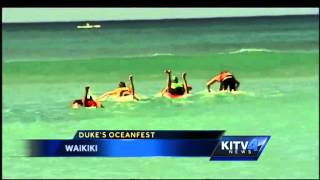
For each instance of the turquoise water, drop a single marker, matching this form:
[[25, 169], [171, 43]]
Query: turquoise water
[[31, 41], [46, 66]]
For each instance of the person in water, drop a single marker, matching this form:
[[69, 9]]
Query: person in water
[[174, 87], [86, 102], [121, 91], [226, 79]]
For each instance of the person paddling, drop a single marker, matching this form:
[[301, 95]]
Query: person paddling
[[121, 90], [226, 79], [86, 102], [174, 87]]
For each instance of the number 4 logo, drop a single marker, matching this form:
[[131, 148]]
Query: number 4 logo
[[253, 145]]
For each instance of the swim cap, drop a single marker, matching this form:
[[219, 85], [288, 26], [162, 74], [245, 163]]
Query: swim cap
[[122, 84]]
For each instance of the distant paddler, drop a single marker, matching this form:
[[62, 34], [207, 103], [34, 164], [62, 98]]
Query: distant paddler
[[174, 87], [86, 102], [121, 91], [226, 79], [89, 26]]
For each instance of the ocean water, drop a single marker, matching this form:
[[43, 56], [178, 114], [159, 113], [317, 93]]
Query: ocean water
[[276, 60]]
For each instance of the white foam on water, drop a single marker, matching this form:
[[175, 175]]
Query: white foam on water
[[243, 50]]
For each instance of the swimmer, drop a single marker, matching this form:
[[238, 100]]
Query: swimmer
[[121, 90], [226, 79], [86, 102], [174, 87]]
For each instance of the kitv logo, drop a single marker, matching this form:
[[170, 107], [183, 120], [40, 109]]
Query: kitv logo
[[240, 147]]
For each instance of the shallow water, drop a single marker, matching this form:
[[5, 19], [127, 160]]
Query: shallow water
[[278, 96]]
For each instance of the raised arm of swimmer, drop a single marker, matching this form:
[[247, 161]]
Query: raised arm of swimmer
[[185, 84], [132, 87], [168, 71], [85, 98]]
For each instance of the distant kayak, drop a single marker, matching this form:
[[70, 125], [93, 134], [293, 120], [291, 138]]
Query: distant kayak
[[89, 26]]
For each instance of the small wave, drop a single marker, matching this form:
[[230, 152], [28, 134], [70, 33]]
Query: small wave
[[225, 93], [248, 50], [162, 54], [149, 55], [251, 50]]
